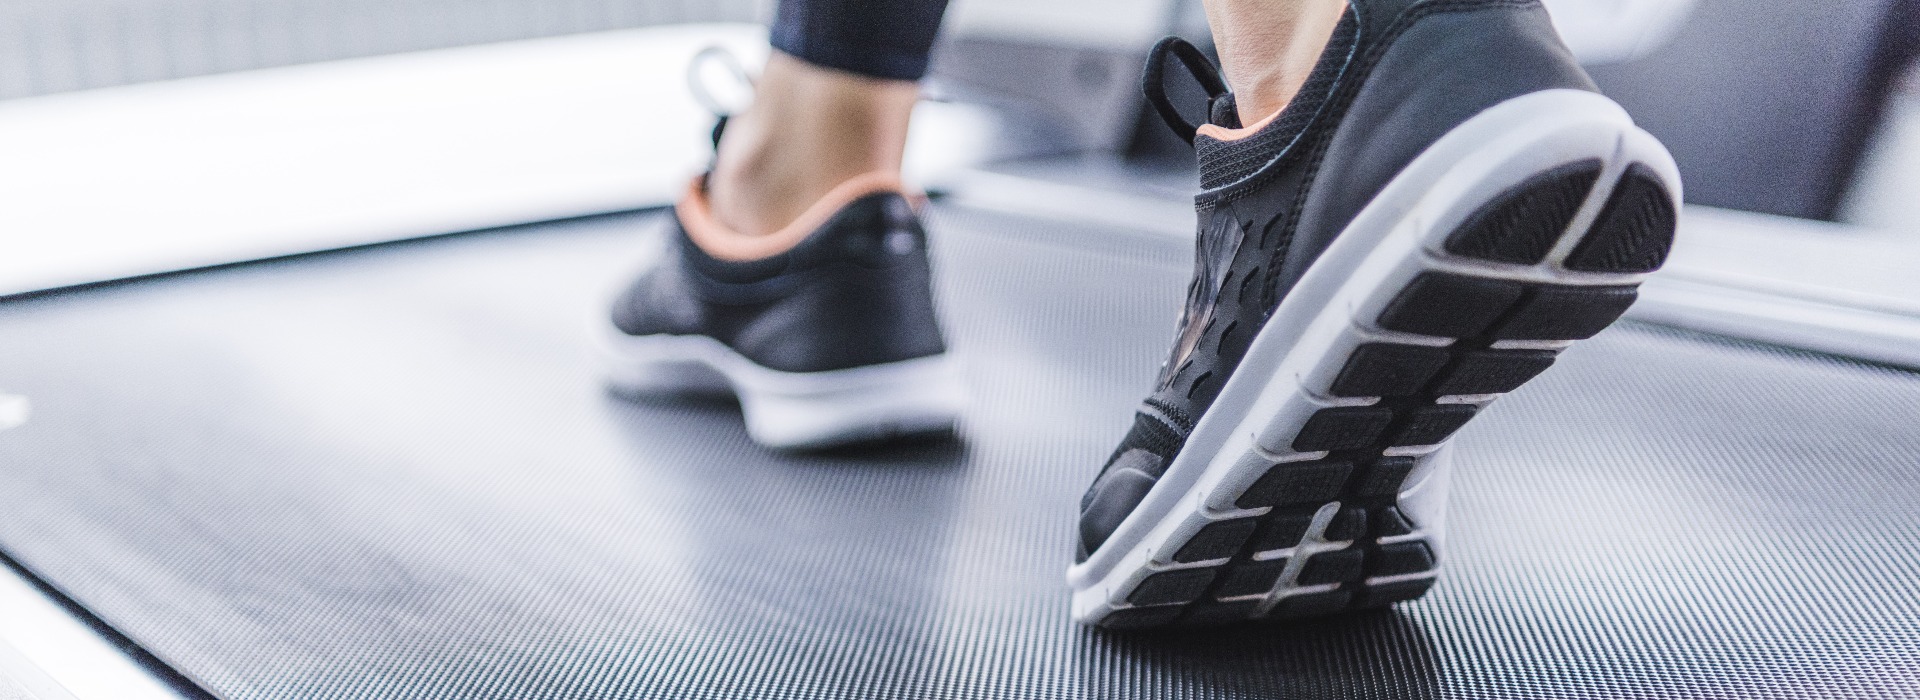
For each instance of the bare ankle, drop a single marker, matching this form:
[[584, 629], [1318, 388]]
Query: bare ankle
[[1267, 49], [810, 130]]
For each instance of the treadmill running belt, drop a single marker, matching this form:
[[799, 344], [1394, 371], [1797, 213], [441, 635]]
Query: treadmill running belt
[[393, 473]]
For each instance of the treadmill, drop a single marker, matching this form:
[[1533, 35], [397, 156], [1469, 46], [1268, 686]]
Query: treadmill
[[381, 464]]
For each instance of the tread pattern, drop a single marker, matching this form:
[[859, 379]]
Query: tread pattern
[[1286, 484], [1387, 369], [1217, 540], [1521, 225], [1635, 229], [1343, 429], [1551, 312], [1332, 537], [1450, 306], [1494, 371]]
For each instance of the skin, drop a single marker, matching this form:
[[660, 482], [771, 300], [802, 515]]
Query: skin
[[1267, 48], [812, 128], [809, 129]]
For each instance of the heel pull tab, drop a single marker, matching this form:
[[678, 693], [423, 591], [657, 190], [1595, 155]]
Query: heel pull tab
[[1153, 83]]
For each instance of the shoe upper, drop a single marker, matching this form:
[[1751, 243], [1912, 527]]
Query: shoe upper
[[856, 291], [1396, 76]]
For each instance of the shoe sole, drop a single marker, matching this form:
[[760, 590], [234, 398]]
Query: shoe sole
[[1316, 483], [793, 410]]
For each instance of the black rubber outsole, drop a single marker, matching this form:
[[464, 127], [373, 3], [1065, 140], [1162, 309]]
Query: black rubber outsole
[[1631, 235]]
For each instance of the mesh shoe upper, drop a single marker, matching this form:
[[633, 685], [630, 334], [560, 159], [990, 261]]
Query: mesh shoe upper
[[857, 291]]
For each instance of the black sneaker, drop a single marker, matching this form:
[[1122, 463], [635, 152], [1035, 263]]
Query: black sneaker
[[829, 341], [1445, 207]]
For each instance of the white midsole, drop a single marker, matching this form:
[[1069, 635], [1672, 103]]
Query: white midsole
[[1281, 380], [793, 409]]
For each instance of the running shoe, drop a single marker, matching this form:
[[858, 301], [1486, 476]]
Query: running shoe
[[825, 331], [1446, 206]]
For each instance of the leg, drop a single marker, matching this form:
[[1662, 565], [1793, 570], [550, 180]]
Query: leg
[[833, 104], [1268, 47]]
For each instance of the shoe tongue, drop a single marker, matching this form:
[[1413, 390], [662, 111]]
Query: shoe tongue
[[1226, 162]]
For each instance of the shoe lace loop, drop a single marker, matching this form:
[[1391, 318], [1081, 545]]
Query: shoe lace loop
[[1153, 82], [699, 83]]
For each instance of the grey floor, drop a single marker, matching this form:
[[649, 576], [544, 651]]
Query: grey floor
[[393, 473]]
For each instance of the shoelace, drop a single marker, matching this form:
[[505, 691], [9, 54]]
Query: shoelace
[[697, 84], [1153, 83]]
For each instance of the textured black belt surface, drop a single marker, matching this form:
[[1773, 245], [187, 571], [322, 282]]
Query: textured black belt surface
[[393, 473]]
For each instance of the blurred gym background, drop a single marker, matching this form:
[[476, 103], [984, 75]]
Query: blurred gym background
[[1806, 109], [1794, 107], [49, 46]]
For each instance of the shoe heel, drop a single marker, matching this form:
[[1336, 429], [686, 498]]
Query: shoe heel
[[825, 409]]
